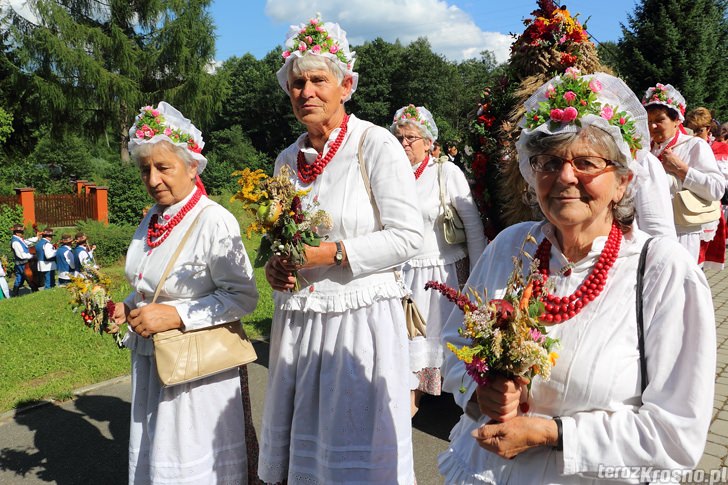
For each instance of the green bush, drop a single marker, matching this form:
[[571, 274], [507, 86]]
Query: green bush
[[229, 150], [127, 195], [9, 215], [111, 241]]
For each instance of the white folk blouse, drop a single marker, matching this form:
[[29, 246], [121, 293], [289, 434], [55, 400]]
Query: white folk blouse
[[372, 254], [595, 384], [436, 260], [192, 432], [337, 403]]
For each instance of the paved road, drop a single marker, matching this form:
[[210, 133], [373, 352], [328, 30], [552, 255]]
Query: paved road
[[83, 441]]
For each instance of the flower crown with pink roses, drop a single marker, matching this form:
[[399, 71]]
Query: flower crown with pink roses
[[575, 97], [411, 113], [313, 37], [666, 95], [151, 122]]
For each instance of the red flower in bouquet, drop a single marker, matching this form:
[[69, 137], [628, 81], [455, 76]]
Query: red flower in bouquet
[[506, 336]]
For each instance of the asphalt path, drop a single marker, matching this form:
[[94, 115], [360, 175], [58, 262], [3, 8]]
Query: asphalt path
[[84, 441]]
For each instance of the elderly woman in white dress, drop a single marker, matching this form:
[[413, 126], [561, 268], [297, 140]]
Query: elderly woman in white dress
[[336, 408], [687, 159], [192, 432], [599, 413], [437, 260]]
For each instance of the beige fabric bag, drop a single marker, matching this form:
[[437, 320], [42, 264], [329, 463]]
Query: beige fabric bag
[[452, 224], [187, 356], [693, 211], [416, 324]]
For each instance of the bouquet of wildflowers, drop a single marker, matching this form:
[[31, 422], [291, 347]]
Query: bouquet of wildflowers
[[279, 215], [506, 335], [90, 295]]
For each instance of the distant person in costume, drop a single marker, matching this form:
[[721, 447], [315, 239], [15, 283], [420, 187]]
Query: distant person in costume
[[45, 251], [437, 260], [65, 260], [21, 256], [687, 159], [4, 289], [83, 253], [700, 120]]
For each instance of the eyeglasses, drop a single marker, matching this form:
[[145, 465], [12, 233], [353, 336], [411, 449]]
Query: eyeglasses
[[410, 139], [588, 165]]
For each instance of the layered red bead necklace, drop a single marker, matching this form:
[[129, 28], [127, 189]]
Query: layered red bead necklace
[[308, 173], [562, 308], [157, 233], [422, 167]]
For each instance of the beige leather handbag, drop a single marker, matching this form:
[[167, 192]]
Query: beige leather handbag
[[193, 354], [693, 211]]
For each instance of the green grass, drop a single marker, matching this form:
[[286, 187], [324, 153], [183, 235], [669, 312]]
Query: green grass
[[46, 352]]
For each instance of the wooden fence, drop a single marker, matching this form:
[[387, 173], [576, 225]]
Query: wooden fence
[[63, 210], [9, 200]]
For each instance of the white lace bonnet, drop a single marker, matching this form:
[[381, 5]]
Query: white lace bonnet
[[610, 105], [417, 115], [166, 123], [326, 39]]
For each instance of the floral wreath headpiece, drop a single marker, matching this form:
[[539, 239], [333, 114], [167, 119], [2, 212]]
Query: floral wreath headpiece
[[570, 102], [418, 115], [319, 38], [666, 95], [166, 123]]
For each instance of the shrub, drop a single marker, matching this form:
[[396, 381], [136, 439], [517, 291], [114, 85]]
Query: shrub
[[230, 150], [111, 241], [9, 215], [127, 195]]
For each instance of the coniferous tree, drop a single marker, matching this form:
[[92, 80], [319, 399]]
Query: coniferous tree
[[681, 42], [93, 64]]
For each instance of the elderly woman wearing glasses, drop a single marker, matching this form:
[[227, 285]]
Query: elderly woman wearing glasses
[[437, 260], [600, 409]]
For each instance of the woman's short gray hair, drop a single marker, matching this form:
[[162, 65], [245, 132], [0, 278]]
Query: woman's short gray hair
[[141, 151], [398, 125], [603, 143], [315, 63]]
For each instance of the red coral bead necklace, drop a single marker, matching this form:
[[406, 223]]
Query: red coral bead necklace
[[421, 168], [157, 233], [561, 308], [308, 173]]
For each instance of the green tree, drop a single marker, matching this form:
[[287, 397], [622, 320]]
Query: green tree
[[231, 150], [377, 63], [92, 64], [127, 196], [609, 54], [425, 79], [255, 102], [681, 42], [6, 125]]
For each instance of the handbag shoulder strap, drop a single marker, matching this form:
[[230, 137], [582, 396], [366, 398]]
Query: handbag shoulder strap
[[175, 255], [440, 183], [640, 316], [365, 174]]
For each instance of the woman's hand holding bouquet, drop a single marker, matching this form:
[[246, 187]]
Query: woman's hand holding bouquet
[[287, 226]]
